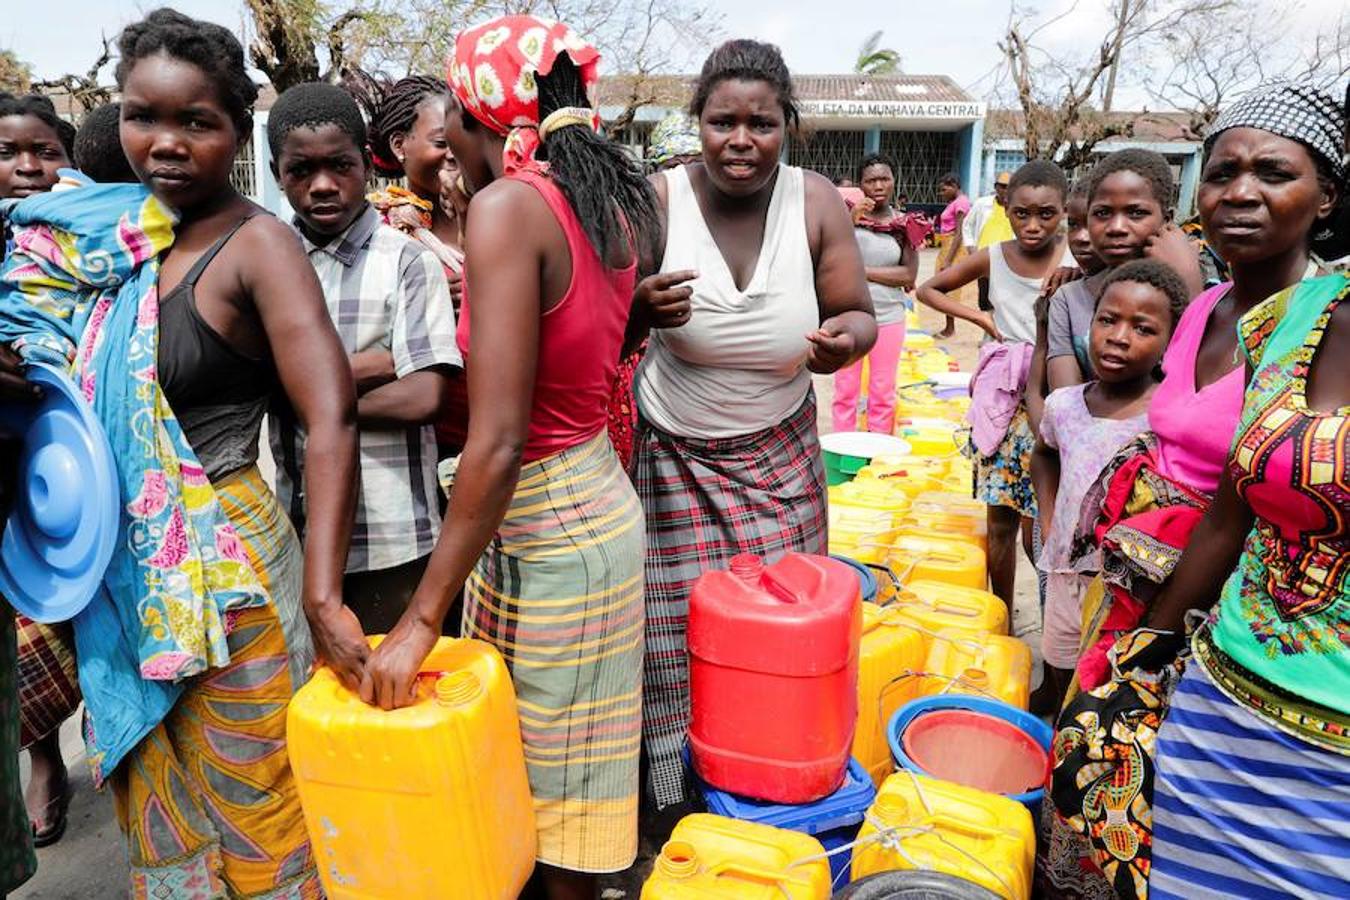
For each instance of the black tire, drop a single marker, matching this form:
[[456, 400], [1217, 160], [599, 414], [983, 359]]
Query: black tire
[[914, 885]]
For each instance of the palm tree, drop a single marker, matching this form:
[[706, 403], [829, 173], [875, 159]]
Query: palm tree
[[873, 59]]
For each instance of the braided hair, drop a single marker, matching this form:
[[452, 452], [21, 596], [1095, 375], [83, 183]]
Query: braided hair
[[210, 47], [98, 147], [42, 109], [604, 185], [392, 110]]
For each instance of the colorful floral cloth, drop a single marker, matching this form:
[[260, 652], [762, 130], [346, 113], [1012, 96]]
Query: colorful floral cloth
[[80, 289], [1103, 757], [1284, 615], [492, 72], [1004, 479]]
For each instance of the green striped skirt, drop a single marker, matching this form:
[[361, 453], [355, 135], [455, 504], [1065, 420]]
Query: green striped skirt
[[559, 594]]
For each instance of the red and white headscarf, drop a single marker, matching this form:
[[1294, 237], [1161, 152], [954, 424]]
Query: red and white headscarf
[[492, 74]]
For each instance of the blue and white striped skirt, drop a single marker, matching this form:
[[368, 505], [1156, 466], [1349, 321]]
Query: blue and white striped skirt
[[1242, 809]]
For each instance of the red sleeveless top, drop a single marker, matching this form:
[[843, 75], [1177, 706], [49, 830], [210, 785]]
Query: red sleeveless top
[[579, 339]]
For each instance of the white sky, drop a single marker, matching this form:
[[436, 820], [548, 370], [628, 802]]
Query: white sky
[[951, 37]]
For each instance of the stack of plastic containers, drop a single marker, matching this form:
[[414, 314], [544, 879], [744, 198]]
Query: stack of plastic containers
[[833, 820]]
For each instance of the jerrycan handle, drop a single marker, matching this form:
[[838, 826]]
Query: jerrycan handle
[[743, 872], [751, 569]]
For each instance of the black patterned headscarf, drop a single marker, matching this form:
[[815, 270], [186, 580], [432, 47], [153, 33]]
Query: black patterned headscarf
[[1294, 111]]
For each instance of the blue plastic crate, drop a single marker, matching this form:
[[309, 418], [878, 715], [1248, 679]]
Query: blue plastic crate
[[833, 820]]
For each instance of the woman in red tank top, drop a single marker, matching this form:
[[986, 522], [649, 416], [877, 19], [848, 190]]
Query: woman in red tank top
[[545, 531]]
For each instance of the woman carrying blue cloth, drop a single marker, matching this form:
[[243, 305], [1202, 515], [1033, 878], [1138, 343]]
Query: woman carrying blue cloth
[[165, 301]]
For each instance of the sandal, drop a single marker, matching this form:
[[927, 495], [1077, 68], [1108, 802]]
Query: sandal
[[52, 826]]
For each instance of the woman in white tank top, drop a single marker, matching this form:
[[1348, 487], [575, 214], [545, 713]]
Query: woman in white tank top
[[1016, 270], [760, 284]]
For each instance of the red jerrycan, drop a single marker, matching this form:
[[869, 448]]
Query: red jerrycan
[[773, 670]]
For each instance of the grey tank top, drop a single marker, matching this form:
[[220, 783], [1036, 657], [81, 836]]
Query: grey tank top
[[218, 394]]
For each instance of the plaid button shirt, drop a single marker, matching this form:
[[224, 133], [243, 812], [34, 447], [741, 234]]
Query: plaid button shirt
[[384, 292]]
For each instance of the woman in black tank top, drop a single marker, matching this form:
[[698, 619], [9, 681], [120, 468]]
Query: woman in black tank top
[[241, 314]]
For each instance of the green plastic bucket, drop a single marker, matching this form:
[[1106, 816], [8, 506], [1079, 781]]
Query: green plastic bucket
[[846, 452]]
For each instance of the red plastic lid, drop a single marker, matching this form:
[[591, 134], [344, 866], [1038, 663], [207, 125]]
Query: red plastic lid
[[977, 750]]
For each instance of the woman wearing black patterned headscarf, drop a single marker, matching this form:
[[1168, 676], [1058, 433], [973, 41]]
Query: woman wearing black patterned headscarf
[[1253, 760]]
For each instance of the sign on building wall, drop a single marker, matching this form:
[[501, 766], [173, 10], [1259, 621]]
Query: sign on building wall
[[892, 109]]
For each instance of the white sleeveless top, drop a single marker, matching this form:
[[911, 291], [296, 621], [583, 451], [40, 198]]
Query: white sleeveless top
[[1014, 297], [739, 364]]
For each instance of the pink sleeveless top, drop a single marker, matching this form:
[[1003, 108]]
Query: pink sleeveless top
[[1195, 428], [579, 338]]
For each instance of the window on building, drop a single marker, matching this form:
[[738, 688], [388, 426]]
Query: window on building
[[834, 154], [1004, 161], [922, 158]]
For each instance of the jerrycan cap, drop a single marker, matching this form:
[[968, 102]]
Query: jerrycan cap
[[891, 809], [678, 859], [975, 677], [747, 567], [456, 688]]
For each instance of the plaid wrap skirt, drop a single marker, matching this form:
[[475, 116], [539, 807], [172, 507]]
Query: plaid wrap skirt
[[705, 502]]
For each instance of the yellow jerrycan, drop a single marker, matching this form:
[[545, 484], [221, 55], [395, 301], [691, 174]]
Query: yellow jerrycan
[[891, 650], [431, 800], [988, 665], [927, 435], [921, 558], [935, 605], [906, 467], [920, 822], [871, 493], [862, 535], [714, 858], [952, 526]]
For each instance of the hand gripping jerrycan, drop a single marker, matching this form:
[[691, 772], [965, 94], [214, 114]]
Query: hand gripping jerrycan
[[715, 858], [891, 651], [428, 801], [773, 674], [918, 822]]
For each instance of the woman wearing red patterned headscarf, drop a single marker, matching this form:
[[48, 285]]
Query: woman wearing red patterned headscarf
[[544, 531]]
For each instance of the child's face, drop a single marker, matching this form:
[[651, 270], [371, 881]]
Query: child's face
[[1130, 331], [1035, 212], [1122, 215], [1080, 242], [323, 174]]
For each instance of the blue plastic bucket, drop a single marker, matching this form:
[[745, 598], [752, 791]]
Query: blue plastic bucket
[[1015, 724], [866, 579], [833, 820]]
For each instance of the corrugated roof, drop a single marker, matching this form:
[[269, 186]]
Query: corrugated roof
[[1161, 127], [675, 90]]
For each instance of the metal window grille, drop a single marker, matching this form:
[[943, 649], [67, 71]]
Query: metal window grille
[[922, 157], [245, 174], [834, 154]]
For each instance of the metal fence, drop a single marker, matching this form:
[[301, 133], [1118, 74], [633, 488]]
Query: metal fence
[[245, 174], [921, 157], [834, 154]]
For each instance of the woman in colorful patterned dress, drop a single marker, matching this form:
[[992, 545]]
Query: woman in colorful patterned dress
[[1253, 759], [1259, 211], [191, 650]]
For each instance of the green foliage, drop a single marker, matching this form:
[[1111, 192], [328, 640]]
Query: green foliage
[[874, 59]]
